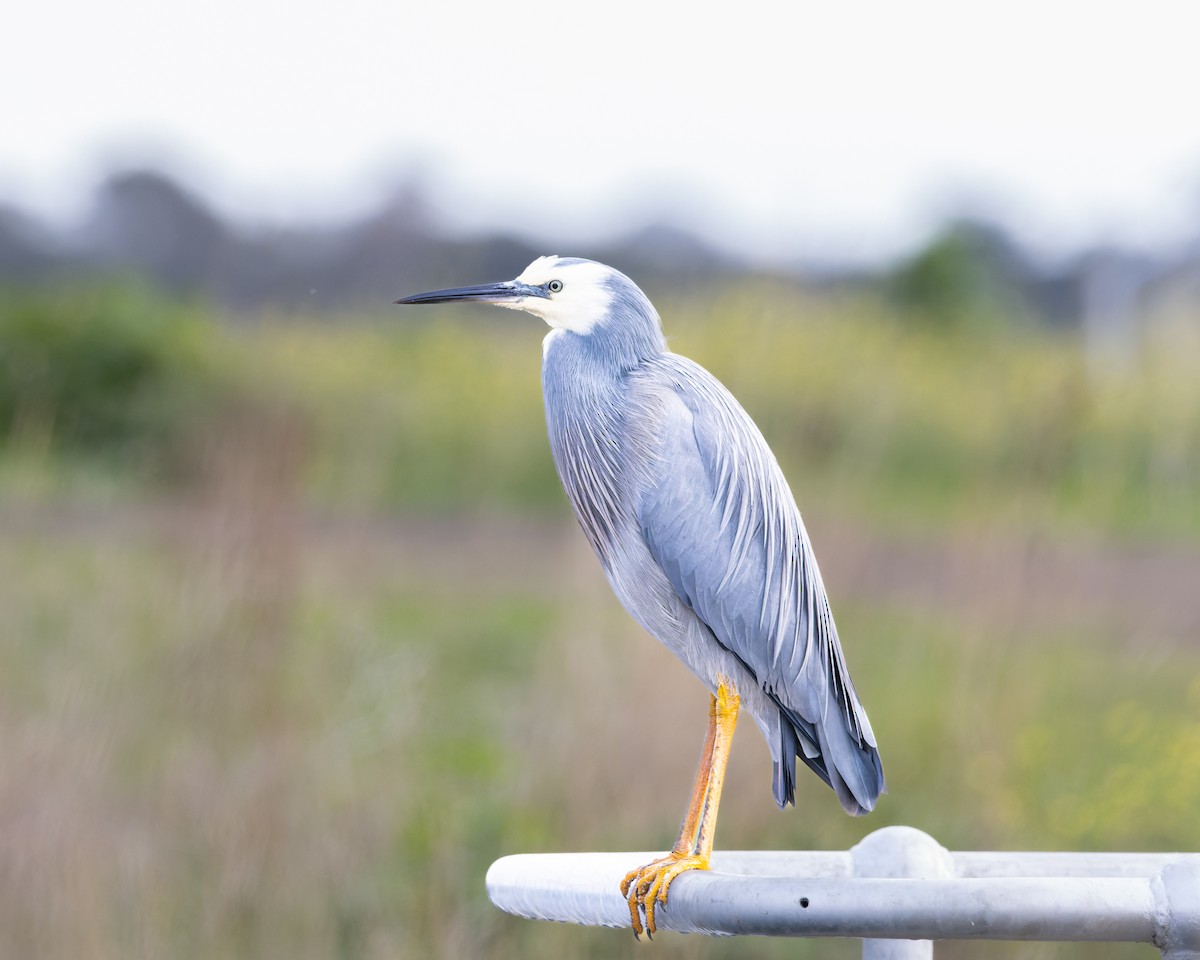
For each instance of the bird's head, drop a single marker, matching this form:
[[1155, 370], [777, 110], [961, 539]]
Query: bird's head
[[567, 292]]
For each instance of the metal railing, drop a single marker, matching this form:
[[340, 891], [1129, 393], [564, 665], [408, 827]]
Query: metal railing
[[899, 889]]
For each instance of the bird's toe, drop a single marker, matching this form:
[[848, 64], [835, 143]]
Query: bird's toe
[[646, 887]]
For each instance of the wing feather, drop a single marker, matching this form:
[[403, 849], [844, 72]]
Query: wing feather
[[720, 520]]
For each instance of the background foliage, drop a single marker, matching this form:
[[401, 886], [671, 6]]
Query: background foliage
[[299, 635]]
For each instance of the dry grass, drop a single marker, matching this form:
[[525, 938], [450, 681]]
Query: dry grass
[[234, 727]]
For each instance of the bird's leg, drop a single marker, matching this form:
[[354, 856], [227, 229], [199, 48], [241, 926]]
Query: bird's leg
[[647, 886]]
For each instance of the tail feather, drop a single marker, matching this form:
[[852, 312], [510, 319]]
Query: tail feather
[[855, 771], [849, 765]]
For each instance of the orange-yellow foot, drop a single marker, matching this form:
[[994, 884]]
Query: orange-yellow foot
[[646, 887]]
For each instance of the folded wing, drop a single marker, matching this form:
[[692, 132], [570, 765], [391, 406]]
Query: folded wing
[[720, 520]]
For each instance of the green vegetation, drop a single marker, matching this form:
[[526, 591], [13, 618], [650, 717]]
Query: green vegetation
[[868, 415], [967, 277], [108, 371], [290, 694]]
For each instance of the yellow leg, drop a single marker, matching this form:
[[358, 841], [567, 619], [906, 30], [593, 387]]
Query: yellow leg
[[647, 886]]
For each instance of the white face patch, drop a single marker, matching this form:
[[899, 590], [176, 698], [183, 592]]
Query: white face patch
[[582, 301]]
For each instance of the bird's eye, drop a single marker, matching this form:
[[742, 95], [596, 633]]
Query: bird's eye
[[554, 286]]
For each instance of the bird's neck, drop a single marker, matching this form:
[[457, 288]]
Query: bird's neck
[[584, 405], [608, 349], [581, 376]]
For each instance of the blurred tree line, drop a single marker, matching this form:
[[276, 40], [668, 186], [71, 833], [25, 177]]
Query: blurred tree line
[[145, 223]]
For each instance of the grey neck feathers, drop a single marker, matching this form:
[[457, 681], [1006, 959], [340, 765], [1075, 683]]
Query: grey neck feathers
[[627, 335]]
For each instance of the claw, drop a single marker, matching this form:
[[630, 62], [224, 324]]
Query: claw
[[646, 887], [635, 915]]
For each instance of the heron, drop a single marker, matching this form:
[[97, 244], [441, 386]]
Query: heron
[[700, 538]]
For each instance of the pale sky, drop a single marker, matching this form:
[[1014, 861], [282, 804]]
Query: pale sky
[[831, 128]]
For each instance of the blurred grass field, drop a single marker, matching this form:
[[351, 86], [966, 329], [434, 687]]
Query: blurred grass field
[[300, 636]]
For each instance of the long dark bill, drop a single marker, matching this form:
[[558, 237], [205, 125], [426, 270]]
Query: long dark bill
[[504, 292]]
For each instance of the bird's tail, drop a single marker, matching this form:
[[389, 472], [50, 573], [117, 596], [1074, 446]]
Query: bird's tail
[[846, 760], [853, 764]]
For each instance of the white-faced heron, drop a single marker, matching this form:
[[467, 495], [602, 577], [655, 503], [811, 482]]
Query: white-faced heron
[[701, 540]]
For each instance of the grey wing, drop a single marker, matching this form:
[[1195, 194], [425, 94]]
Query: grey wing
[[720, 520]]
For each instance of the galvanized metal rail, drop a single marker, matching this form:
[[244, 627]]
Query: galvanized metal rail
[[899, 889]]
